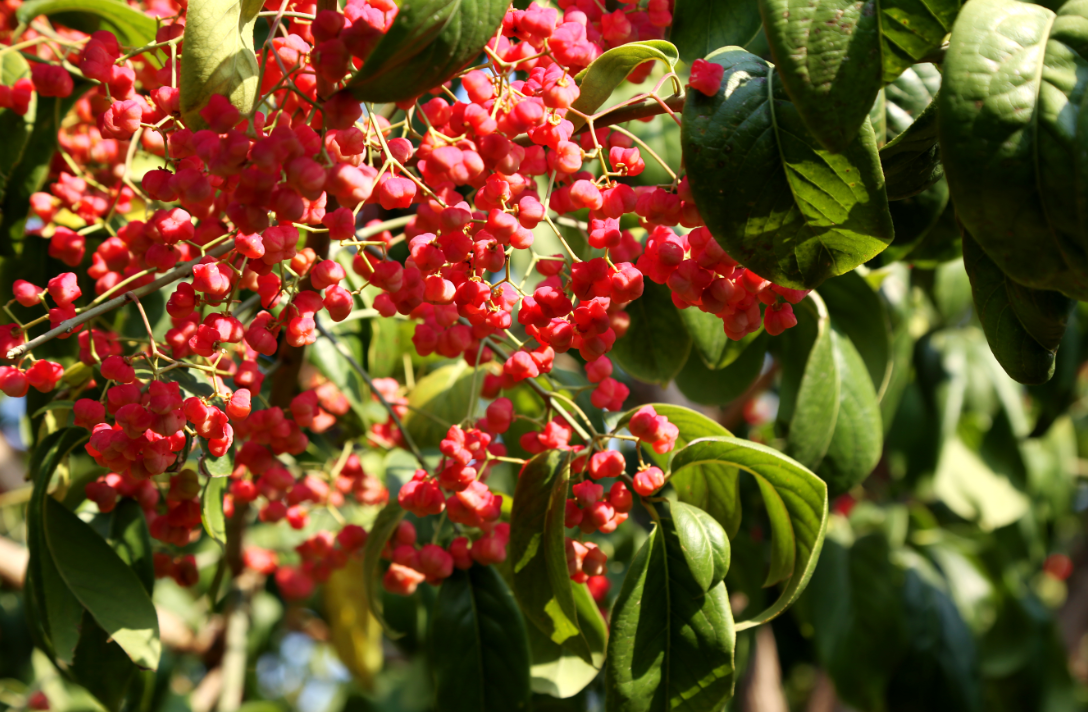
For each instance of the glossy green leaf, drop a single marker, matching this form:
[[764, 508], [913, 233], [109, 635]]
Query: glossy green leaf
[[219, 57], [1023, 326], [775, 200], [130, 538], [672, 643], [797, 526], [858, 440], [912, 160], [429, 42], [597, 81], [1010, 126], [537, 551], [909, 95], [131, 27], [858, 312], [480, 649], [216, 467], [440, 399], [834, 55], [701, 26], [384, 526], [878, 119], [556, 670], [703, 543], [57, 613], [656, 344], [811, 385], [85, 560], [914, 218], [705, 387], [709, 341], [211, 511]]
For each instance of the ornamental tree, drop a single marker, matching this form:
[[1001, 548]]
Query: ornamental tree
[[368, 310]]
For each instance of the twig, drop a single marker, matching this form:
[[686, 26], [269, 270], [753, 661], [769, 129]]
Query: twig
[[68, 326]]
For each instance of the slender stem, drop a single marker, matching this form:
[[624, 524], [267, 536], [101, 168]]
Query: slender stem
[[179, 272], [381, 399]]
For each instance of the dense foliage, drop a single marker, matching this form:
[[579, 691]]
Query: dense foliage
[[360, 320]]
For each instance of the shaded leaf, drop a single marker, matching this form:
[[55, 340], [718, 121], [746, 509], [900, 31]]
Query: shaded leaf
[[538, 555], [353, 631], [101, 665], [811, 385], [709, 340], [331, 363], [85, 560], [706, 387], [858, 439], [701, 26], [797, 526], [429, 42], [1015, 318], [16, 129], [858, 312], [211, 513], [131, 540], [656, 344], [597, 81], [219, 57], [775, 200], [1010, 126], [912, 160], [480, 650], [672, 643], [914, 218]]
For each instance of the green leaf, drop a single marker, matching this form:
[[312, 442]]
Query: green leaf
[[701, 26], [538, 555], [429, 42], [129, 537], [597, 81], [859, 623], [705, 387], [672, 643], [384, 526], [858, 312], [703, 544], [331, 363], [797, 512], [85, 560], [811, 384], [557, 670], [912, 160], [834, 72], [1023, 326], [656, 344], [31, 172], [191, 381], [480, 651], [777, 202], [858, 439], [16, 129], [1010, 128], [216, 467], [211, 512], [914, 218], [909, 95], [709, 340], [101, 665], [132, 27], [53, 405], [219, 57], [971, 489], [940, 244], [440, 399], [56, 612]]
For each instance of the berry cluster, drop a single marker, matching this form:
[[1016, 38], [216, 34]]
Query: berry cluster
[[240, 213]]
